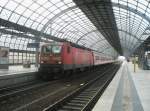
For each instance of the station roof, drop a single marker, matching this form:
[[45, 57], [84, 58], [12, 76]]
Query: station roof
[[111, 26], [133, 22]]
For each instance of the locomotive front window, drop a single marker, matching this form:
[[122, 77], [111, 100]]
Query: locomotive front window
[[56, 49], [46, 49]]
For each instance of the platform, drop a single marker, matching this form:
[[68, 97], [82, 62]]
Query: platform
[[17, 69], [128, 91], [16, 75]]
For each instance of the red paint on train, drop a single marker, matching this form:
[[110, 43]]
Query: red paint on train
[[59, 57]]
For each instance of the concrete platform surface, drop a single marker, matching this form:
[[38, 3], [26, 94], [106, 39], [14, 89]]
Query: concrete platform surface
[[128, 91], [18, 69], [141, 80]]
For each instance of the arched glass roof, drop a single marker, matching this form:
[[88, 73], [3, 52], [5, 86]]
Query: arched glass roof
[[59, 18], [133, 20], [64, 19]]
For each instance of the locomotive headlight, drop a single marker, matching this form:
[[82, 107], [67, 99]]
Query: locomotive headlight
[[43, 62], [59, 62]]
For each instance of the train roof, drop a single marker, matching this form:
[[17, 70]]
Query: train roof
[[53, 43], [79, 46], [64, 41]]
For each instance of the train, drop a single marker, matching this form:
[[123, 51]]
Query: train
[[59, 58]]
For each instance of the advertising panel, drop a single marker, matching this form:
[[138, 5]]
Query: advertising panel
[[4, 55]]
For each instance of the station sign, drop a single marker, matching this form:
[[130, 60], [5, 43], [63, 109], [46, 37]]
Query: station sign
[[33, 45]]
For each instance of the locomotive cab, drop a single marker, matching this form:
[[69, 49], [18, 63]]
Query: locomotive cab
[[51, 58]]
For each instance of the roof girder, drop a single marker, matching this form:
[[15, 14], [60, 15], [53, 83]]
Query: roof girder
[[101, 15], [135, 11], [24, 29], [132, 10]]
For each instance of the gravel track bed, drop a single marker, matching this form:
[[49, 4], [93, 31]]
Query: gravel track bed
[[39, 98]]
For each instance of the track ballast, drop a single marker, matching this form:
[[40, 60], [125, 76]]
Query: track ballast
[[85, 97]]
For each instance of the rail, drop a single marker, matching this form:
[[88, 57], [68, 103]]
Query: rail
[[83, 98]]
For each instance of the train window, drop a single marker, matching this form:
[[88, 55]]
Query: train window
[[46, 49], [68, 49], [56, 49], [97, 57]]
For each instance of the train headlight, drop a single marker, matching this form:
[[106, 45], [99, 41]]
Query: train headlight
[[59, 62]]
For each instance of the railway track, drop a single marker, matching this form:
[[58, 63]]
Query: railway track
[[84, 98], [10, 88], [10, 97], [9, 91], [38, 96], [6, 92]]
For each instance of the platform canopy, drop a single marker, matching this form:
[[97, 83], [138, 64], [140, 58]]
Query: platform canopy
[[125, 24]]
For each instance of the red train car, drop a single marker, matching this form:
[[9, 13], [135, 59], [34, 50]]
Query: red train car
[[100, 58], [59, 57], [56, 58]]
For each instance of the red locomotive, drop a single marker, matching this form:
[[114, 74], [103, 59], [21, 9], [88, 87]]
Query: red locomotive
[[56, 58]]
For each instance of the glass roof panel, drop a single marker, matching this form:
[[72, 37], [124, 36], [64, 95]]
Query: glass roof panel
[[11, 5], [3, 2], [26, 3], [63, 19], [129, 15], [5, 14]]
